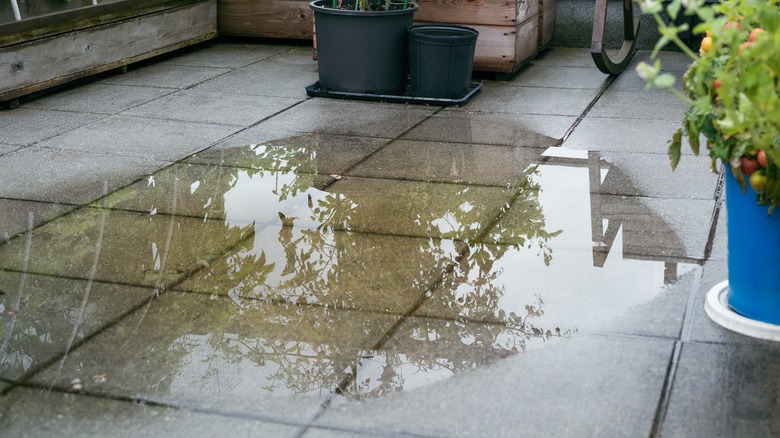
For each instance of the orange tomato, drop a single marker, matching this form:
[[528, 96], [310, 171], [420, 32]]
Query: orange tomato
[[755, 33], [706, 44]]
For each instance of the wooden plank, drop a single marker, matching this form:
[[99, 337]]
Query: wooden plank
[[485, 12], [526, 41], [267, 18], [546, 22], [54, 60]]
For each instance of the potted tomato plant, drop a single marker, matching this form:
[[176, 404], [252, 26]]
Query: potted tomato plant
[[362, 45], [733, 89]]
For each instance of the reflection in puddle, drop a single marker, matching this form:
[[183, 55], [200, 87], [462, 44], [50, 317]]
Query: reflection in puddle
[[269, 280]]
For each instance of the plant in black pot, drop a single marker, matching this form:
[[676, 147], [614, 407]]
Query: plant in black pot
[[362, 45]]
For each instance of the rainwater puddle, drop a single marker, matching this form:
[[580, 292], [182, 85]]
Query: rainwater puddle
[[242, 279]]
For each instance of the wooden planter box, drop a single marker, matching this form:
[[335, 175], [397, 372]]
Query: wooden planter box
[[508, 31], [41, 52], [265, 18]]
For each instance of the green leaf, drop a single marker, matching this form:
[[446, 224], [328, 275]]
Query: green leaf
[[693, 136], [665, 80], [674, 148]]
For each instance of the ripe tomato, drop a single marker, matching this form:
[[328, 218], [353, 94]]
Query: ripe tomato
[[717, 84], [755, 33], [758, 182], [748, 165], [744, 45], [761, 158], [706, 44]]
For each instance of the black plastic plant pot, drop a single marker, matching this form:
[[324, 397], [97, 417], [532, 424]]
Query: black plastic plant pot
[[441, 58], [362, 51]]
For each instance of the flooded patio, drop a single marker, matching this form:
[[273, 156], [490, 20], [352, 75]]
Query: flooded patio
[[304, 266]]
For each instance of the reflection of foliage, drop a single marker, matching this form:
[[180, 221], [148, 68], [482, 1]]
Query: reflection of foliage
[[286, 309]]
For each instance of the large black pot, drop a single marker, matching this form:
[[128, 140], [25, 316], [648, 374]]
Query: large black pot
[[362, 51]]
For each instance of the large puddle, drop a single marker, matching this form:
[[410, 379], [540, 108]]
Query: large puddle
[[242, 276]]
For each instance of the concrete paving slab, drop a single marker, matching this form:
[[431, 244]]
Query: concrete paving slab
[[629, 80], [624, 135], [225, 355], [80, 181], [557, 76], [725, 391], [5, 149], [671, 61], [321, 432], [406, 208], [464, 126], [152, 139], [38, 413], [565, 57], [497, 98], [165, 75], [98, 97], [334, 116], [16, 126], [650, 175], [46, 317], [353, 271], [130, 248], [15, 215], [226, 55], [720, 241], [620, 379], [222, 108], [266, 78], [627, 105], [500, 166], [324, 154]]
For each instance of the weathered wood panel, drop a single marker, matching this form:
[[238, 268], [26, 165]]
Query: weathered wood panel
[[546, 22], [50, 61], [265, 18]]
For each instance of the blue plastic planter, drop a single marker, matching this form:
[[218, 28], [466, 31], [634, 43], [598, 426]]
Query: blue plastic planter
[[753, 255]]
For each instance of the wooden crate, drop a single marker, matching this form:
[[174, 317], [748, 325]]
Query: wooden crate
[[42, 52], [546, 22], [265, 18], [508, 31]]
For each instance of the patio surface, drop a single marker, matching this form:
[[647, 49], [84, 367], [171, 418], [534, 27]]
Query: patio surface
[[196, 248]]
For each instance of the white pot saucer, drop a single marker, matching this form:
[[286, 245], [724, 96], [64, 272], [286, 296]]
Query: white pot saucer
[[717, 308]]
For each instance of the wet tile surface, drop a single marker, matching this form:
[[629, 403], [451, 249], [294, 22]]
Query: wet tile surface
[[73, 177], [39, 413], [45, 317], [17, 217], [226, 354], [350, 268]]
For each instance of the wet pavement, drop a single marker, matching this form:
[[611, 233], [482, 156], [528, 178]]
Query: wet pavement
[[196, 248]]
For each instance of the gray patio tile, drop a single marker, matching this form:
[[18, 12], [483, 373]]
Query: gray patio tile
[[501, 166], [37, 413], [544, 290], [559, 197], [308, 153], [71, 177], [153, 139], [266, 78], [166, 75], [45, 317], [333, 116], [629, 80], [624, 135], [629, 375], [650, 175], [725, 391], [224, 355], [15, 214], [418, 209], [565, 57], [630, 105], [5, 149], [671, 61], [25, 126], [130, 248], [227, 55], [494, 128], [321, 432], [556, 76], [354, 271], [720, 241], [222, 108], [98, 97], [495, 98]]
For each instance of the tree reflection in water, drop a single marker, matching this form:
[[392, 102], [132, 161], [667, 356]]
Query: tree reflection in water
[[268, 270]]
